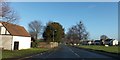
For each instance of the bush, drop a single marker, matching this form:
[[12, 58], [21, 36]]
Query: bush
[[34, 44]]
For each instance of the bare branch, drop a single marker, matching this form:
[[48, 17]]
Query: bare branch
[[35, 28], [7, 13], [77, 32]]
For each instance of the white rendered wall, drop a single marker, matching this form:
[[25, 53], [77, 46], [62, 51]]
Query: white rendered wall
[[6, 42], [24, 42], [1, 24], [115, 42], [3, 29]]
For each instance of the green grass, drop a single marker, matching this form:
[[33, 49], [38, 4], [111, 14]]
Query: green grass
[[112, 49], [20, 53]]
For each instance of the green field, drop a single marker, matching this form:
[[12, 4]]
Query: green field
[[111, 49], [20, 53]]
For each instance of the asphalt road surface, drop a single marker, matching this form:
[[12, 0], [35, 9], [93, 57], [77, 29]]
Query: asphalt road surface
[[67, 52]]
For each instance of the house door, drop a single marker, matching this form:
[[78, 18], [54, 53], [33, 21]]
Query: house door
[[16, 45]]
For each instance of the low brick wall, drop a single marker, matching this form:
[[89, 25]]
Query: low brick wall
[[47, 45]]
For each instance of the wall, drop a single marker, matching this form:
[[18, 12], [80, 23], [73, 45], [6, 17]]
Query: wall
[[3, 30], [0, 47], [47, 45], [115, 42], [24, 42], [6, 42]]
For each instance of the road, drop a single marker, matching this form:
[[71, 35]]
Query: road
[[67, 52]]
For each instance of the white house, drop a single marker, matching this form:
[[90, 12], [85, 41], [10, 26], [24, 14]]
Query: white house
[[14, 37], [114, 42]]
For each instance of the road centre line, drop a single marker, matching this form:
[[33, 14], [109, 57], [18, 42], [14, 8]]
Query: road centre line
[[50, 53], [73, 52]]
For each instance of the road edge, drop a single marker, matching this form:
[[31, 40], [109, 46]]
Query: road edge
[[28, 56], [116, 56]]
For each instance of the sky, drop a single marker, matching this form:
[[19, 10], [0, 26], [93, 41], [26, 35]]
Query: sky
[[63, 0], [99, 18]]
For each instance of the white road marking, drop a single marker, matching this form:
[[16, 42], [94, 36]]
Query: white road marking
[[74, 52], [50, 53]]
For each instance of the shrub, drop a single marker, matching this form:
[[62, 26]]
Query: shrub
[[34, 44]]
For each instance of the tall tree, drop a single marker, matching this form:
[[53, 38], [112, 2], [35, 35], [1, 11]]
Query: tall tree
[[7, 14], [53, 32], [83, 34], [77, 32], [35, 28]]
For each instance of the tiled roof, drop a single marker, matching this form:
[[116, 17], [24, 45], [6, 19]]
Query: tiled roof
[[15, 30]]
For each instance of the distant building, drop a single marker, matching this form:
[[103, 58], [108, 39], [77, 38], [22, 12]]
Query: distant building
[[114, 42], [97, 42], [107, 41], [87, 42], [14, 37], [111, 42]]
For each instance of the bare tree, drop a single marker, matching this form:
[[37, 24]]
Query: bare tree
[[83, 34], [35, 28], [77, 32], [7, 14]]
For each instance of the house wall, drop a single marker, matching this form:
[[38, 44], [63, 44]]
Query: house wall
[[3, 30], [24, 42], [0, 41], [115, 42], [1, 24], [0, 27], [6, 42]]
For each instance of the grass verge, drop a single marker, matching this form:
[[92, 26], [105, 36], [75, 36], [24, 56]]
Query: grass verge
[[110, 49], [21, 53]]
